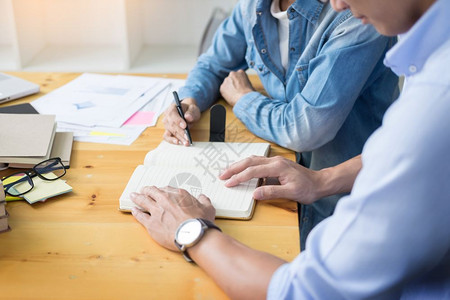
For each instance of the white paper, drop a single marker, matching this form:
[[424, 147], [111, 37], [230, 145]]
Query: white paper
[[99, 100]]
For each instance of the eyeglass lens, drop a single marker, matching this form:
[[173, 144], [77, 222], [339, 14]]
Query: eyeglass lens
[[18, 184], [50, 169]]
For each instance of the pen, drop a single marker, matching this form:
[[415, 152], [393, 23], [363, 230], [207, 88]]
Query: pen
[[180, 112]]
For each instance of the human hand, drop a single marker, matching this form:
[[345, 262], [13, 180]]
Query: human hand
[[295, 182], [235, 86], [175, 125], [164, 209]]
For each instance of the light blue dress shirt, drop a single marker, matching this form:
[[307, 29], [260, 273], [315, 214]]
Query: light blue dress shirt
[[390, 238], [328, 102]]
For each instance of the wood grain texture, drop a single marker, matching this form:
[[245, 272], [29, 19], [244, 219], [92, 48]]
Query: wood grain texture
[[79, 246]]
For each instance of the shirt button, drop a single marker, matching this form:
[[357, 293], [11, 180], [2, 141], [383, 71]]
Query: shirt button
[[259, 13], [263, 51], [252, 64], [412, 69], [292, 49], [292, 10], [305, 219]]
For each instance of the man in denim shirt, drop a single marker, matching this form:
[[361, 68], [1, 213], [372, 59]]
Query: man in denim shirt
[[326, 95]]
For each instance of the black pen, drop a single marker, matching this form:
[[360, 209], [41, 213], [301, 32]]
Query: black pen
[[180, 112]]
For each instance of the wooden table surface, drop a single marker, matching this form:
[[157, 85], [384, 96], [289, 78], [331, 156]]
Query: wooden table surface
[[79, 246]]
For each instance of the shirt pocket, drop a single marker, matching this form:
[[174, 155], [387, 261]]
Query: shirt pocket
[[302, 74], [254, 61]]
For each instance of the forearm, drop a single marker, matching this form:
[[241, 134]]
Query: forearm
[[243, 273], [296, 125], [338, 179]]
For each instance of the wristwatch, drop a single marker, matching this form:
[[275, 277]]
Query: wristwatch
[[190, 232]]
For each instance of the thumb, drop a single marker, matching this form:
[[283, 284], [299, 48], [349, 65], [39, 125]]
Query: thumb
[[270, 192], [192, 113]]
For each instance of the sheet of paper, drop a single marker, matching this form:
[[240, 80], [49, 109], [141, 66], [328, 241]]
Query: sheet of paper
[[237, 199], [99, 100], [125, 135]]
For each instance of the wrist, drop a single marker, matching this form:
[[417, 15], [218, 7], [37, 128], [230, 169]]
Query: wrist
[[325, 183], [333, 181], [204, 245]]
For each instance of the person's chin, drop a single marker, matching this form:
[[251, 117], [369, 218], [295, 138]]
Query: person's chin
[[385, 30]]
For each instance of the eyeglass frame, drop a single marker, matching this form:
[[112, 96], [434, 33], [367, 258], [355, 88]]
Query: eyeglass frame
[[30, 174]]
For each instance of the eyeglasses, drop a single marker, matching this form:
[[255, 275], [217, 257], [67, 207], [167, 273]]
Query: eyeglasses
[[21, 183]]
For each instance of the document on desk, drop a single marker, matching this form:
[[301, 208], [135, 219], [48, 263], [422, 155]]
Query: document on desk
[[99, 100], [125, 135], [149, 114]]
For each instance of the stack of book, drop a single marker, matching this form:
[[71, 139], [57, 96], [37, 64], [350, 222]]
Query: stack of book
[[28, 139], [3, 213]]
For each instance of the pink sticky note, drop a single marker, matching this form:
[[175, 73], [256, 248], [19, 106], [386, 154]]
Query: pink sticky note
[[141, 118]]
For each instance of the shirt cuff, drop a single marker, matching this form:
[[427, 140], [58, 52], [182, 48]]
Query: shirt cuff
[[187, 92], [277, 282], [243, 104]]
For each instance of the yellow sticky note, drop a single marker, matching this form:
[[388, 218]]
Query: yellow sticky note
[[44, 189], [12, 198], [9, 180]]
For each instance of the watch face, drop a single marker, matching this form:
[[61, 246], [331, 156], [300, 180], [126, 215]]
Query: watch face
[[189, 232]]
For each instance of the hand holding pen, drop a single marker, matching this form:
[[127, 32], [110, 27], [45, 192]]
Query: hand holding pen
[[175, 125], [181, 113]]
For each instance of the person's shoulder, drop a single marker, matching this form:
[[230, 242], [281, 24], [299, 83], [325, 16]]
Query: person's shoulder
[[247, 7]]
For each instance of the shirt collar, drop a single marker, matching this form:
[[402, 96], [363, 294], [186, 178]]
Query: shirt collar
[[309, 9], [426, 36]]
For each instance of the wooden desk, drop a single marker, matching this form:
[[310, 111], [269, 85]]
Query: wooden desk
[[79, 246]]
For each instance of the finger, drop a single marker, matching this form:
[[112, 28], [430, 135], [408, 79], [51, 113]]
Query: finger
[[142, 217], [240, 166], [270, 192], [167, 136], [154, 193], [179, 196], [172, 117], [177, 135], [204, 200], [143, 202], [258, 171], [173, 120]]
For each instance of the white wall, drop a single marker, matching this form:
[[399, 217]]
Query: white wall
[[103, 35]]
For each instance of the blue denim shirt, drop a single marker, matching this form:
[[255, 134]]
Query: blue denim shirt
[[328, 102]]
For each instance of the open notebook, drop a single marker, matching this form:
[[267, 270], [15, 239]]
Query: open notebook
[[196, 169]]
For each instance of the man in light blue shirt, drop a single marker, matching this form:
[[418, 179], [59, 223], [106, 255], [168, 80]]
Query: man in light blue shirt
[[390, 238], [324, 101]]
